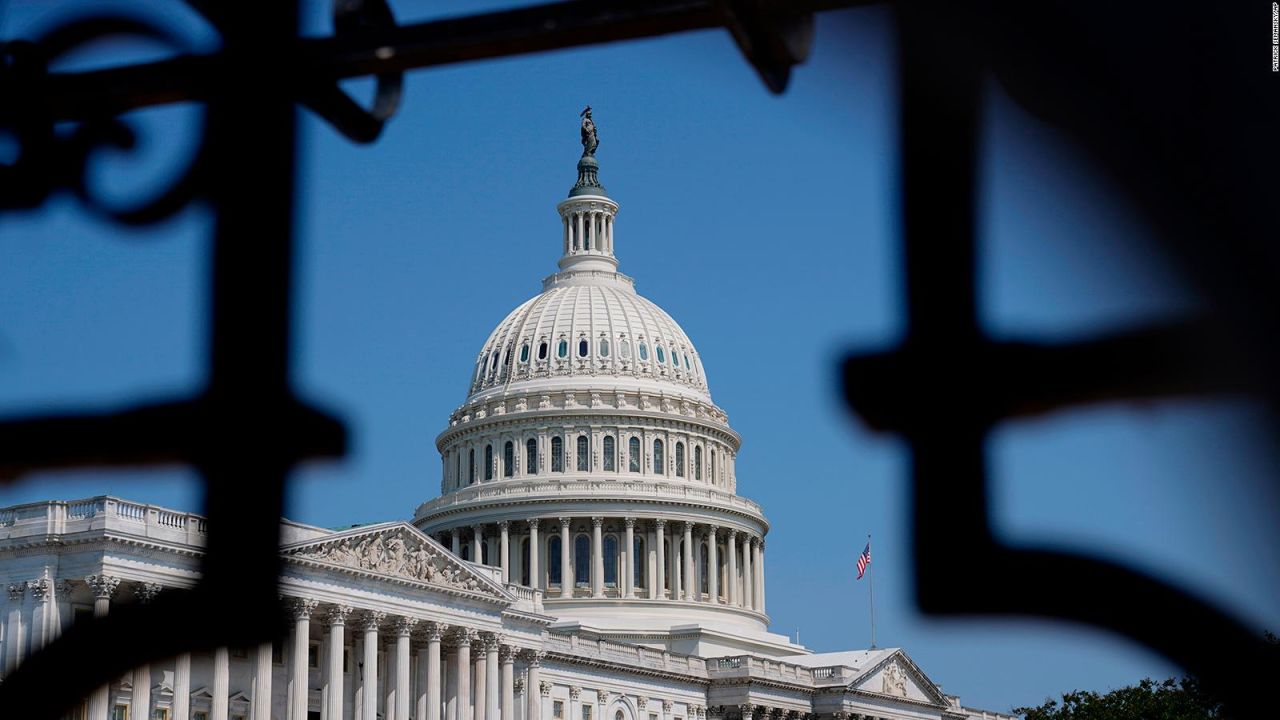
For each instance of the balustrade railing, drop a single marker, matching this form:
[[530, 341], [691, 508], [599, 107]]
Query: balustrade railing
[[69, 516], [500, 489]]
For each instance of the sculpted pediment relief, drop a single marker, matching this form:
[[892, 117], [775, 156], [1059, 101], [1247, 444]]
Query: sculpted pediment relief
[[898, 676], [399, 551]]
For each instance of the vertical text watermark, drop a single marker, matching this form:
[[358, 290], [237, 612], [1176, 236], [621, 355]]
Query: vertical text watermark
[[1275, 37]]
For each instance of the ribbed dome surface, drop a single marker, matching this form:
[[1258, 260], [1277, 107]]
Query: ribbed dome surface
[[594, 329]]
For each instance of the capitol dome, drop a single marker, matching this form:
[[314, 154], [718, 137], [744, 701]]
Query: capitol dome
[[589, 462]]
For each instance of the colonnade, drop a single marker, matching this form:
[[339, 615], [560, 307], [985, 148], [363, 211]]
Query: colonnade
[[599, 556], [434, 670], [590, 231]]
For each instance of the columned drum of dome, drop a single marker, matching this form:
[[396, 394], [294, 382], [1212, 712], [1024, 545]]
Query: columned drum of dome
[[628, 466]]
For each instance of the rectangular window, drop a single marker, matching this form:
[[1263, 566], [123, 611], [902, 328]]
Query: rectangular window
[[239, 652], [313, 655], [586, 712], [160, 714], [120, 712], [557, 709], [277, 652], [199, 715], [653, 716]]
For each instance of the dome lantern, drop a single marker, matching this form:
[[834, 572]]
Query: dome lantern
[[587, 214]]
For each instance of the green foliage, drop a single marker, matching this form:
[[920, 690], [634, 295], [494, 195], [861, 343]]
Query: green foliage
[[1148, 700]]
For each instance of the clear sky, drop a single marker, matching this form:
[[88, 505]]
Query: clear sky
[[767, 227]]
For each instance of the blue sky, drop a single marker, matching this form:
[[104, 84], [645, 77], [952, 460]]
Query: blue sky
[[767, 227]]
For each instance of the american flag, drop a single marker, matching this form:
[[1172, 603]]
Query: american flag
[[864, 560]]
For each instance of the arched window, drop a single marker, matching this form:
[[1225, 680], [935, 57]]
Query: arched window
[[557, 454], [661, 356], [524, 565], [659, 458], [679, 459], [624, 349], [553, 561], [702, 570], [644, 351], [471, 476], [582, 561], [722, 571], [488, 462], [508, 459], [609, 453], [524, 353], [697, 462], [484, 552], [466, 551], [611, 560], [584, 347], [542, 350], [562, 350], [638, 562], [457, 469], [713, 467], [633, 454], [531, 457], [584, 457], [604, 348]]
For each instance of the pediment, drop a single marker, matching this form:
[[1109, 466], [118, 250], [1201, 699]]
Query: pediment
[[898, 676], [399, 552]]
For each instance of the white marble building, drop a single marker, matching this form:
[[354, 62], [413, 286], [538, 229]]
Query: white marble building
[[588, 557]]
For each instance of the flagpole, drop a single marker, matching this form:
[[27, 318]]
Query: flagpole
[[871, 587]]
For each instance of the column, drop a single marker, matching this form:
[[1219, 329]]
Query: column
[[504, 550], [261, 691], [533, 686], [477, 539], [479, 679], [39, 624], [103, 587], [597, 557], [491, 695], [451, 688], [535, 556], [732, 549], [578, 238], [456, 541], [689, 580], [660, 535], [507, 657], [336, 616], [629, 559], [62, 604], [429, 699], [403, 628], [369, 626], [182, 687], [221, 683], [747, 592], [759, 567], [13, 635], [462, 670], [140, 706], [566, 560], [713, 566], [301, 609]]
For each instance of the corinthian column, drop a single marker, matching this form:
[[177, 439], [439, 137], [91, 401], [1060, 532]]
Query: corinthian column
[[261, 693], [660, 534], [13, 635], [628, 553], [748, 595], [713, 567], [301, 608], [221, 683], [403, 628], [533, 687], [336, 615], [507, 657], [182, 687], [690, 581], [597, 557], [462, 670], [40, 589], [504, 550], [431, 711], [141, 705], [535, 556], [369, 626], [491, 695], [566, 560], [732, 580], [103, 587], [479, 678], [760, 576]]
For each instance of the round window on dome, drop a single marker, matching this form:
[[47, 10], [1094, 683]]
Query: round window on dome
[[524, 353], [644, 352], [662, 358], [542, 351], [604, 348], [584, 348], [562, 350]]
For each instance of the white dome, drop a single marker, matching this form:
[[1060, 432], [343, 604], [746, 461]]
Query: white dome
[[589, 330]]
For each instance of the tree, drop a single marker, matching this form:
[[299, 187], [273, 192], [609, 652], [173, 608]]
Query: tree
[[1172, 699]]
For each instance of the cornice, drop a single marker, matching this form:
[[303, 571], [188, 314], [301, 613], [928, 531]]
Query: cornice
[[570, 659], [582, 508], [610, 415]]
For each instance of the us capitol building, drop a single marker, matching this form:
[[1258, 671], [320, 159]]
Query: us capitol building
[[588, 557]]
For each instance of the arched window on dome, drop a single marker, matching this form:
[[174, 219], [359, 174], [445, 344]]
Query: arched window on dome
[[488, 461], [508, 459], [679, 459], [582, 561], [557, 454], [604, 347], [611, 560], [554, 576], [609, 464], [471, 475], [702, 571], [531, 457], [713, 467], [562, 350], [659, 458], [584, 347], [524, 353], [584, 454], [644, 351], [662, 358], [697, 462], [542, 350], [638, 562], [457, 469], [624, 349], [722, 570], [633, 455]]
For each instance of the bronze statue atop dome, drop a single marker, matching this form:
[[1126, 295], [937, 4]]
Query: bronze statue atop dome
[[590, 141]]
